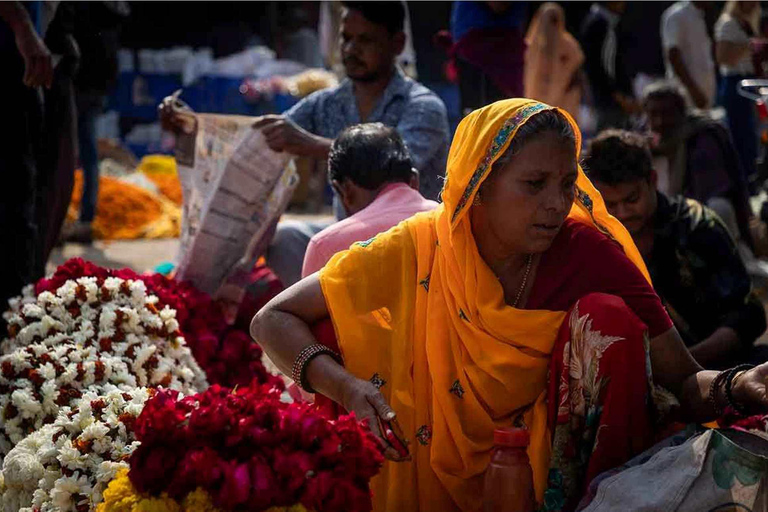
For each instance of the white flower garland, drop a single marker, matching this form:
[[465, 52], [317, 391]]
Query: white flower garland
[[86, 337], [66, 465]]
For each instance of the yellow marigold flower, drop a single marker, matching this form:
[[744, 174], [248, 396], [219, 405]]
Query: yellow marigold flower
[[120, 496], [294, 508], [198, 501]]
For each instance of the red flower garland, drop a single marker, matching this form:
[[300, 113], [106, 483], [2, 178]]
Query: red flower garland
[[250, 451], [228, 356]]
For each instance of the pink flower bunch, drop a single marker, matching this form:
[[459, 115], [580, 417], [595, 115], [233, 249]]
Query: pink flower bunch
[[250, 451], [227, 355]]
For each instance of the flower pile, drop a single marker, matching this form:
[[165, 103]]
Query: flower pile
[[245, 450], [68, 464], [86, 336], [228, 356], [127, 211]]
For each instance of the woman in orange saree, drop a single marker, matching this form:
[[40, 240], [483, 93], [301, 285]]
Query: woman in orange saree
[[471, 318], [553, 59]]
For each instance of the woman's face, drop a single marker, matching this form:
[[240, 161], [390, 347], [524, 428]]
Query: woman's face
[[524, 204]]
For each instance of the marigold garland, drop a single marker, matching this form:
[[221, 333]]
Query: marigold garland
[[127, 211], [121, 496]]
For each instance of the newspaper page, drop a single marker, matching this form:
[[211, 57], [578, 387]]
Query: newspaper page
[[235, 189]]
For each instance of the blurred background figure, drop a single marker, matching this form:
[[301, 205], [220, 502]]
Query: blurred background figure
[[27, 68], [300, 42], [688, 51], [611, 89], [694, 156], [736, 27], [97, 32], [489, 48], [553, 60]]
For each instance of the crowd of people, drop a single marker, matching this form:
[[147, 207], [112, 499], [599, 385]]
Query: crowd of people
[[473, 284]]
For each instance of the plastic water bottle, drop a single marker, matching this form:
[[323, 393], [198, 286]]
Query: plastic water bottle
[[508, 485]]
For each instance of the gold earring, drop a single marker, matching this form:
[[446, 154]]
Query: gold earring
[[477, 201]]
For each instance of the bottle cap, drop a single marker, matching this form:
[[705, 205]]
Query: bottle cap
[[511, 437]]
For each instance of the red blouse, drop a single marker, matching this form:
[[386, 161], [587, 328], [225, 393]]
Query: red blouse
[[581, 261]]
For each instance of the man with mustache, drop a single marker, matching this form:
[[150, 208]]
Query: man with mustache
[[691, 256]]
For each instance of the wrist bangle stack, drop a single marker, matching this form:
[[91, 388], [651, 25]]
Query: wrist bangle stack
[[300, 365], [716, 383], [732, 374], [724, 380]]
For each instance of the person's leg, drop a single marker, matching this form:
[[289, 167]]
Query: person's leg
[[742, 122], [600, 396], [19, 147], [285, 255], [86, 129], [57, 167]]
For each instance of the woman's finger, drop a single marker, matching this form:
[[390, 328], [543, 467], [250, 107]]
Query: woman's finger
[[382, 407]]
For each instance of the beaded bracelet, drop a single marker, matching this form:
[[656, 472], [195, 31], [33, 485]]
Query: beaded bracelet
[[729, 387], [299, 370], [717, 382]]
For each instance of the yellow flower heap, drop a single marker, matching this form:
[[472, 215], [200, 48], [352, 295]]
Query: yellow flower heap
[[121, 496]]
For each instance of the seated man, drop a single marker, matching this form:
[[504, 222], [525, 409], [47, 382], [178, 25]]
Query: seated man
[[694, 156], [370, 170], [691, 257]]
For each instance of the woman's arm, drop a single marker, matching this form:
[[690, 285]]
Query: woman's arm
[[282, 328], [675, 369]]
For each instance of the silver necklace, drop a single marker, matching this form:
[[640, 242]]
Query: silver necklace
[[525, 281]]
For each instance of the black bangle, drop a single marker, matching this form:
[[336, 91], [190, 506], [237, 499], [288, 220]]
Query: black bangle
[[300, 365], [716, 383], [729, 387]]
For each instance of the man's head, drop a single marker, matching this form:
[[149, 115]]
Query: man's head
[[365, 158], [371, 38], [619, 164], [665, 106]]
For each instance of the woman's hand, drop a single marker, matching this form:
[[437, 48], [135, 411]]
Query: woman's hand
[[749, 389], [365, 400]]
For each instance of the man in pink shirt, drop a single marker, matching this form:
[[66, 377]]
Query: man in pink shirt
[[372, 174]]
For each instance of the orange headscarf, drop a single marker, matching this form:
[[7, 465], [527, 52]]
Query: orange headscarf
[[417, 311]]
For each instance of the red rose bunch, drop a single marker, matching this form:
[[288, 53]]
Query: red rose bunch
[[250, 451], [732, 419], [227, 355]]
